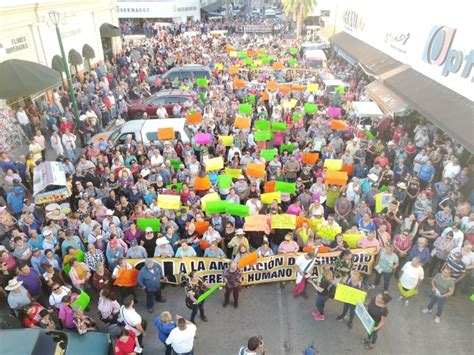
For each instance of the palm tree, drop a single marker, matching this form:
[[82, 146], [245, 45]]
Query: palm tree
[[300, 10]]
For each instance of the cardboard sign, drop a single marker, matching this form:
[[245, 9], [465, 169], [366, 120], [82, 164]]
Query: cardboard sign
[[269, 186], [349, 294], [288, 187], [338, 125], [245, 109], [153, 223], [227, 140], [202, 183], [165, 133], [202, 138], [201, 82], [233, 70], [256, 223], [336, 178], [268, 154], [213, 207], [334, 111], [333, 164], [255, 170], [288, 147], [310, 108], [279, 126], [200, 226], [352, 239], [179, 186], [262, 136], [283, 221], [277, 65], [237, 210], [235, 173], [82, 301], [238, 83], [214, 196], [309, 158], [170, 202], [272, 86], [267, 198], [328, 232], [127, 277], [194, 117], [284, 89], [312, 87], [262, 125], [215, 164], [242, 122], [247, 260], [382, 200], [224, 181], [367, 322]]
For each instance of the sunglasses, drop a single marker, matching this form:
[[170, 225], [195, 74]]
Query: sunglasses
[[55, 289]]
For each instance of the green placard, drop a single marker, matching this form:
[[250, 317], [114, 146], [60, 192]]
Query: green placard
[[175, 163], [262, 125], [82, 301], [245, 109], [293, 51], [310, 107], [261, 136], [279, 126], [154, 223], [237, 210], [250, 99], [288, 187], [224, 181], [293, 62], [248, 61], [268, 154], [242, 55], [208, 293], [266, 60], [289, 147], [369, 135], [202, 97], [179, 185], [341, 90], [201, 82], [216, 207], [262, 55], [297, 116]]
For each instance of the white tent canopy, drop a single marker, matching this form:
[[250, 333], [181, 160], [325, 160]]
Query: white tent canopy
[[366, 109]]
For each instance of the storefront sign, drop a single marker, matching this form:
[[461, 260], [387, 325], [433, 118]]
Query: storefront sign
[[438, 52], [397, 40], [158, 9], [15, 44], [353, 21], [270, 269]]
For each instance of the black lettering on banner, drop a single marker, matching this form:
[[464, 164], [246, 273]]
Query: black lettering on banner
[[291, 261], [182, 268]]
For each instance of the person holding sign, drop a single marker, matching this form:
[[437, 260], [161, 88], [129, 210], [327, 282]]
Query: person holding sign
[[324, 289], [356, 282], [195, 287], [379, 312], [304, 269], [232, 281]]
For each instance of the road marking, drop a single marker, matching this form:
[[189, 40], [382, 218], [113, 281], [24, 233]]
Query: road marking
[[283, 320]]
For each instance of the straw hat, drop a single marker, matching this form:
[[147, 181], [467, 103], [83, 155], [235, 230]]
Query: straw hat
[[162, 241], [55, 215], [13, 284], [52, 207]]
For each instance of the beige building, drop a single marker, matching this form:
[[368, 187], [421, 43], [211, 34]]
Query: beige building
[[87, 28]]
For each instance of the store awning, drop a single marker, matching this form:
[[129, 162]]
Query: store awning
[[373, 61], [74, 58], [57, 64], [387, 100], [107, 31], [22, 78], [88, 52], [447, 109]]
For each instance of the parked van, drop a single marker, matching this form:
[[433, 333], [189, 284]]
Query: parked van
[[188, 71], [331, 85], [145, 131], [315, 58]]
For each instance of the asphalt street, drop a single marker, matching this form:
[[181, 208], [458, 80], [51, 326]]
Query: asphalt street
[[287, 326]]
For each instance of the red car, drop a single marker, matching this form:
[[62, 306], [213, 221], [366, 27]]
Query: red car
[[167, 98]]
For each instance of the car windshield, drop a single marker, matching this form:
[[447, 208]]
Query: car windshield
[[54, 343]]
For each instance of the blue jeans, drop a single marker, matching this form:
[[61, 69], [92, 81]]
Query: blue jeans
[[351, 308], [386, 279], [373, 337], [321, 302], [150, 295], [436, 300], [189, 353]]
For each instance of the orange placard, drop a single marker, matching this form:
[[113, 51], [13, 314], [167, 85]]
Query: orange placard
[[229, 48], [277, 65], [336, 178], [127, 277], [338, 125], [200, 226], [242, 123], [250, 53], [300, 220], [239, 83], [202, 183], [259, 51], [265, 96], [285, 89], [349, 169], [256, 170], [233, 70], [269, 187], [298, 87], [309, 158], [312, 248], [250, 259], [272, 86], [194, 118], [203, 244], [165, 133]]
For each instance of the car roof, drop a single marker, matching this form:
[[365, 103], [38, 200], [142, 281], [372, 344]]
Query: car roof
[[189, 67], [173, 92]]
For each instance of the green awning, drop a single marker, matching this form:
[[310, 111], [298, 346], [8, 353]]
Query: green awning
[[74, 57], [57, 63], [23, 78], [88, 52], [107, 31]]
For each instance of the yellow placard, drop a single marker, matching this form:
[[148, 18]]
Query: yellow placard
[[286, 104], [382, 200], [257, 62], [233, 54], [214, 164], [283, 221], [170, 202], [257, 223], [235, 173], [312, 87], [333, 164], [219, 66], [268, 197], [328, 232], [293, 103], [226, 140], [352, 238], [349, 294], [213, 196]]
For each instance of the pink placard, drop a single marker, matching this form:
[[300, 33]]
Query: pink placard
[[202, 138], [334, 111], [279, 136]]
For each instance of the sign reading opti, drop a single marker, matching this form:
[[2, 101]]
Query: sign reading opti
[[438, 52]]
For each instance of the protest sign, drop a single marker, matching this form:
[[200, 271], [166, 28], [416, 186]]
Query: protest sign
[[153, 223], [288, 187], [237, 210], [277, 65], [367, 322], [194, 117], [328, 231], [255, 170], [284, 89], [312, 87], [269, 186], [336, 178], [82, 301], [179, 186], [338, 125], [238, 83], [216, 207], [261, 136], [352, 238], [348, 168], [279, 126], [349, 294], [333, 111], [215, 164], [226, 140], [283, 221], [235, 173], [202, 138], [208, 293], [256, 223], [382, 200], [224, 181], [245, 109], [247, 260], [233, 70], [170, 202], [202, 183], [267, 198], [201, 82], [200, 226], [288, 147], [214, 196], [165, 133], [268, 154], [310, 108], [309, 158], [175, 163], [127, 277], [262, 125], [333, 164], [242, 122], [272, 86]]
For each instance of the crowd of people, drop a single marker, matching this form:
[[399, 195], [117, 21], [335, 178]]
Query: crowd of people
[[426, 231]]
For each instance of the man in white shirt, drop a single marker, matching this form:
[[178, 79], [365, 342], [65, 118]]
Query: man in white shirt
[[161, 112], [412, 276], [181, 338]]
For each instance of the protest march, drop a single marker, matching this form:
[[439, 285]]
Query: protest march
[[247, 168]]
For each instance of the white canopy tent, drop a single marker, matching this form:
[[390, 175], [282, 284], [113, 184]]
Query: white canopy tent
[[366, 109]]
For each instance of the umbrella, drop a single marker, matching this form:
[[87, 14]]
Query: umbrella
[[23, 78]]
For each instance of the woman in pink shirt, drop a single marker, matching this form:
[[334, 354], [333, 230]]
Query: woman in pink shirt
[[288, 246], [369, 241], [402, 244], [294, 208]]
